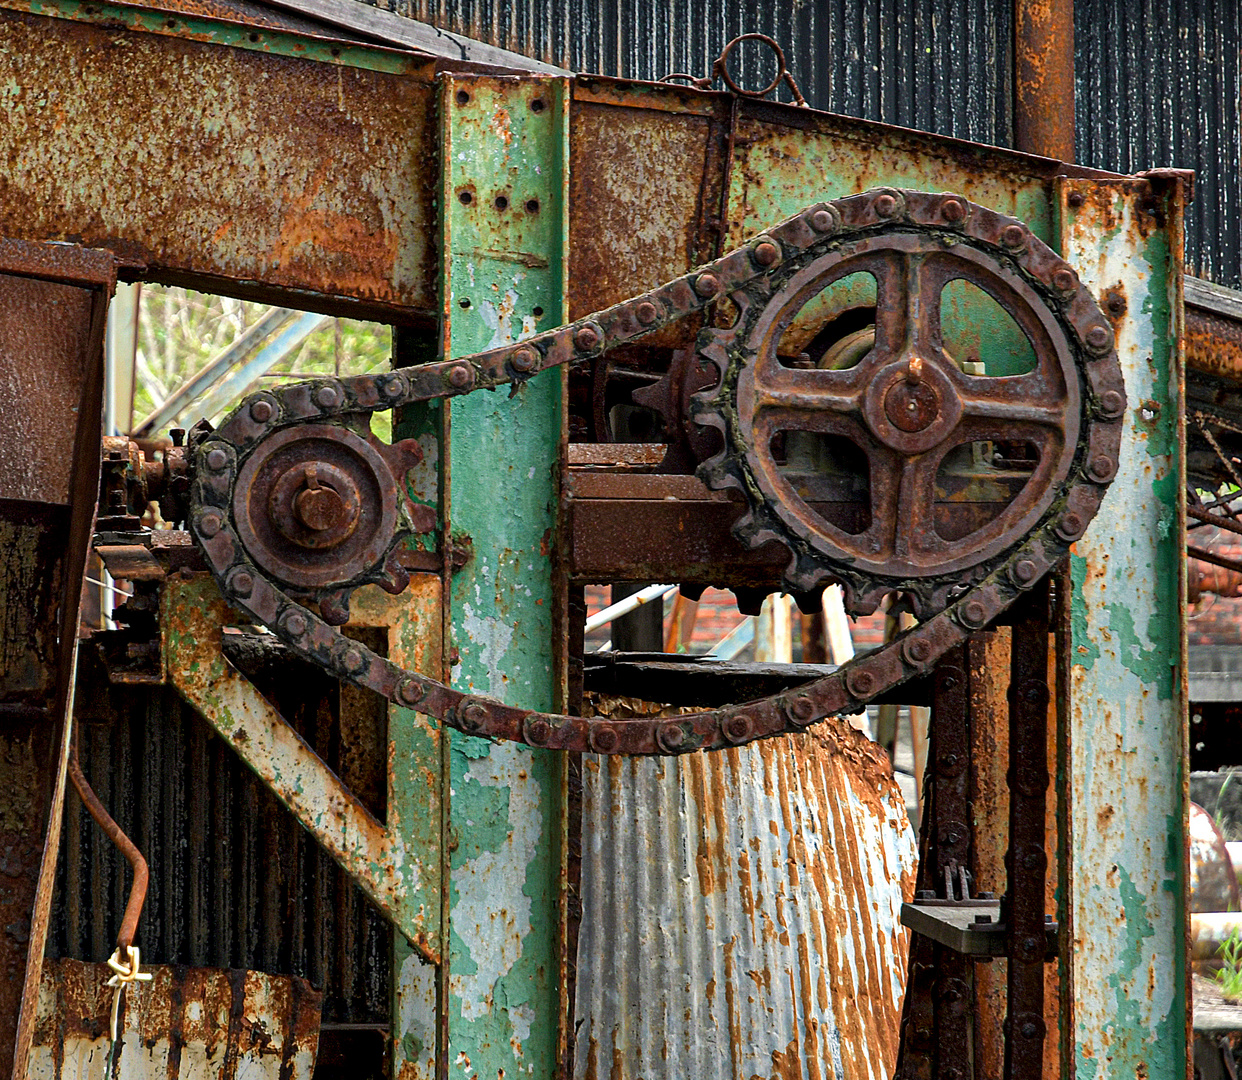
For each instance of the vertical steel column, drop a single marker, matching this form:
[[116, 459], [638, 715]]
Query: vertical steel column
[[504, 236], [1124, 743], [1043, 75]]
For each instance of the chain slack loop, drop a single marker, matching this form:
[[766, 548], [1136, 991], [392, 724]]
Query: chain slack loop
[[929, 238]]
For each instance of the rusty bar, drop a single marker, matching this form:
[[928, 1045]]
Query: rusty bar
[[1043, 99], [1204, 555], [1022, 908]]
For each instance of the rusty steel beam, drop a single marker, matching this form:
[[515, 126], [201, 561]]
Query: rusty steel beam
[[1043, 100]]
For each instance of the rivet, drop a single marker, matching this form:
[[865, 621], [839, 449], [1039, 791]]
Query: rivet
[[1070, 526], [671, 737], [1102, 468], [294, 624], [707, 285], [1030, 1029], [802, 710], [241, 583], [917, 650], [860, 683], [524, 359], [1099, 339], [1013, 236], [473, 716], [952, 211], [586, 338], [823, 221], [1024, 571], [217, 459], [885, 206], [353, 659], [392, 386], [738, 728], [603, 739], [261, 411], [209, 524], [949, 761], [646, 312], [1065, 280], [327, 397], [410, 691], [1112, 403], [459, 376], [974, 614], [1075, 198], [538, 732], [766, 253]]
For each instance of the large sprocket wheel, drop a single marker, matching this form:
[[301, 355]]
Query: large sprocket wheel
[[906, 404]]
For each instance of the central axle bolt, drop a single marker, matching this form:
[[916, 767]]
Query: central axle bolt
[[319, 508], [766, 253], [910, 404], [524, 359]]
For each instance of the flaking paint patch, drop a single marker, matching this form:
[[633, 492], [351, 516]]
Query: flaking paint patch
[[490, 638], [416, 1019]]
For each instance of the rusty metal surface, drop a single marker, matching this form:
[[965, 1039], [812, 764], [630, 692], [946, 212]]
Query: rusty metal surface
[[199, 1023], [1043, 77], [740, 912], [329, 202]]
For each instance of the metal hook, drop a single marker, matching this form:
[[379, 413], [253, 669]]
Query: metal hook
[[720, 69]]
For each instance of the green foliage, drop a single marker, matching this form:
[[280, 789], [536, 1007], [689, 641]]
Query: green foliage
[[1230, 976], [180, 331]]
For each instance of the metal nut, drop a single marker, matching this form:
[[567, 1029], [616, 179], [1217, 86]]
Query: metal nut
[[210, 524], [217, 459], [524, 359], [1099, 339], [917, 650], [1112, 404], [707, 285], [241, 583], [261, 411], [646, 312], [822, 221], [766, 253], [327, 397], [353, 659], [392, 386], [460, 377]]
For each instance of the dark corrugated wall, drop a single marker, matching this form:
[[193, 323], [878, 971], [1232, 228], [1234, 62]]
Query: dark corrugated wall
[[1157, 80], [1157, 86]]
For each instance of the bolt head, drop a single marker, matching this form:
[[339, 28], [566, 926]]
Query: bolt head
[[538, 732], [766, 253], [327, 397], [671, 737], [952, 211], [1070, 526], [586, 338], [261, 411], [474, 716], [1075, 198], [802, 709], [1024, 571], [459, 377], [210, 524], [646, 312], [885, 206], [707, 285], [1013, 236], [217, 459], [861, 683], [392, 386], [1112, 403], [241, 582], [1099, 339], [1102, 468], [1065, 280], [1030, 1029], [294, 624], [737, 728], [410, 691], [822, 221], [524, 359], [353, 659], [603, 739], [974, 613], [918, 650]]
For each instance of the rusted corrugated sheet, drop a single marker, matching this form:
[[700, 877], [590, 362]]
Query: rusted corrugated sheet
[[741, 912], [196, 1023]]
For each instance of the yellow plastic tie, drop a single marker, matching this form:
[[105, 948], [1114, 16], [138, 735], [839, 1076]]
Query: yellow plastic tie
[[124, 975]]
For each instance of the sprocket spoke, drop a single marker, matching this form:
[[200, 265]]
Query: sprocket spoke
[[794, 390]]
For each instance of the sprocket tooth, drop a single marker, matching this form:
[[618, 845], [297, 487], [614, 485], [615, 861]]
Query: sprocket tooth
[[334, 607], [864, 599], [750, 601], [810, 603]]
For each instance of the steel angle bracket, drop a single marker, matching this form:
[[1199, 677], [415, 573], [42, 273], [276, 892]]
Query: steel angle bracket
[[381, 857]]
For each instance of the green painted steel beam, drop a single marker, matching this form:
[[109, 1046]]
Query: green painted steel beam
[[1124, 769]]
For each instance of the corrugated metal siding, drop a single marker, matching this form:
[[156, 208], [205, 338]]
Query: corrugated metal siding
[[937, 65], [741, 912], [235, 880], [1157, 86]]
